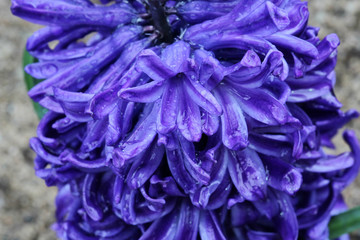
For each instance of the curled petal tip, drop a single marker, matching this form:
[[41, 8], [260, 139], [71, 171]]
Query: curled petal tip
[[292, 182]]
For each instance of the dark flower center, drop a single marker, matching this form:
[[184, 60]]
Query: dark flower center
[[159, 20]]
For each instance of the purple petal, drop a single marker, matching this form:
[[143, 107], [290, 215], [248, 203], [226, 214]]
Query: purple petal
[[210, 123], [202, 97], [308, 132], [324, 199], [180, 224], [80, 74], [262, 235], [298, 144], [240, 14], [264, 20], [95, 135], [74, 104], [287, 218], [210, 227], [69, 40], [121, 72], [235, 40], [199, 11], [65, 124], [210, 196], [51, 104], [332, 163], [262, 107], [71, 54], [282, 175], [47, 34], [188, 119], [176, 55], [326, 49], [153, 66], [247, 69], [204, 195], [162, 229], [294, 44], [90, 203], [298, 14], [130, 111], [243, 213], [255, 80], [210, 71], [93, 164], [319, 230], [41, 70], [298, 67], [140, 138], [120, 121], [247, 173], [64, 13], [104, 102], [145, 166], [45, 129], [304, 95], [188, 222], [117, 189], [277, 89], [66, 203], [350, 174], [148, 92], [192, 163], [234, 128], [36, 145], [179, 172], [167, 185], [221, 194], [135, 213], [154, 204], [271, 145], [166, 120], [268, 206]]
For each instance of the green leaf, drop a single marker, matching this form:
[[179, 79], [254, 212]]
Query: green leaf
[[345, 222], [31, 82]]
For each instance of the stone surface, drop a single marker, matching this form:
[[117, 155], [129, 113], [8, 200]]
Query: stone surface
[[26, 204]]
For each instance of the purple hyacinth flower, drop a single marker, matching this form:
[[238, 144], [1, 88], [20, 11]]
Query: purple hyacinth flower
[[187, 119]]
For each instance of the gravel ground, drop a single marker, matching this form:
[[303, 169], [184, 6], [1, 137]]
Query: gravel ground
[[26, 204]]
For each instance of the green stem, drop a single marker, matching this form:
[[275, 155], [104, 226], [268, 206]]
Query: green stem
[[345, 222], [31, 82]]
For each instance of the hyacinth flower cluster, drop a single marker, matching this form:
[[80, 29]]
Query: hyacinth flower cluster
[[187, 119]]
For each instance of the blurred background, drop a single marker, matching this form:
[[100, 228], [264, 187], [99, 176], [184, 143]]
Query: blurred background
[[26, 204]]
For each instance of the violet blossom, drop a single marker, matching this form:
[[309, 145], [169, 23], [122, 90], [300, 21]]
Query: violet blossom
[[187, 119]]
